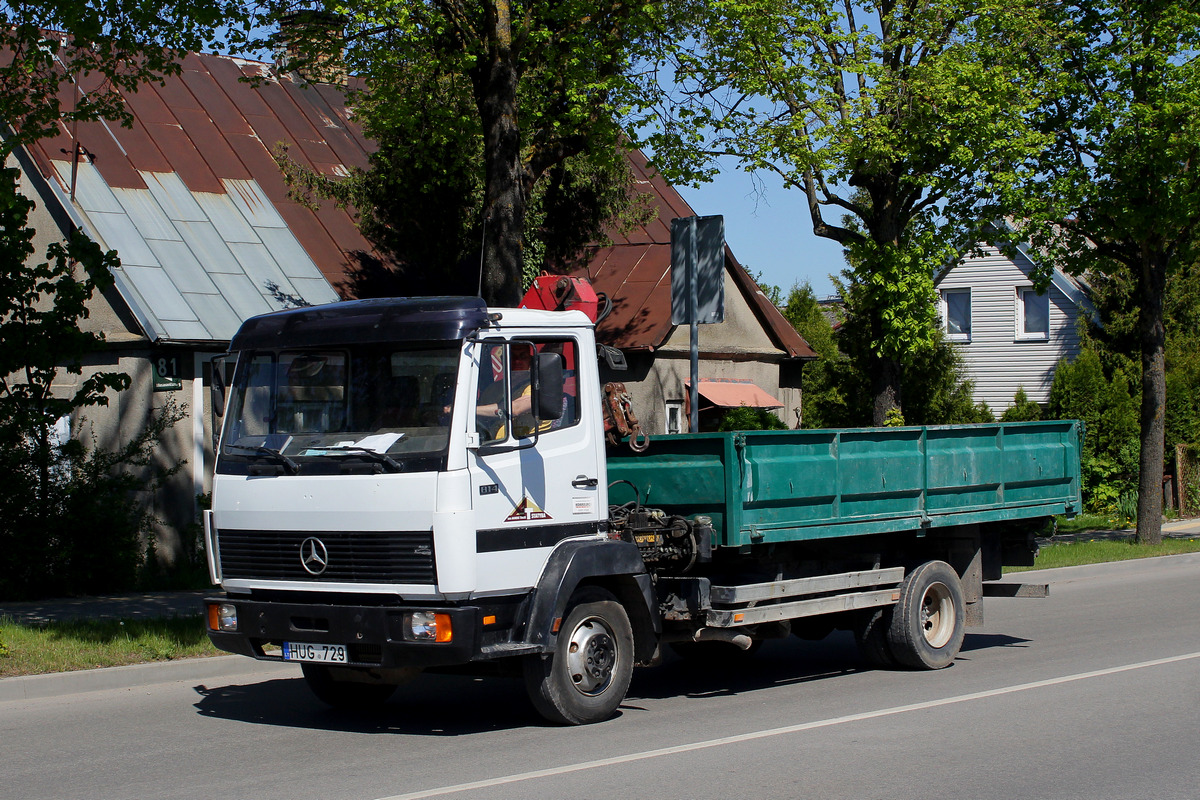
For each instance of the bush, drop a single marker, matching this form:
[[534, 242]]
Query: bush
[[85, 531], [744, 418], [1023, 409], [1109, 411]]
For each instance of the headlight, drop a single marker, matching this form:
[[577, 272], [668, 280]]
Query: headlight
[[428, 626], [222, 617]]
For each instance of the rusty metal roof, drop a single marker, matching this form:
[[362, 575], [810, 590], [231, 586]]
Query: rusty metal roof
[[193, 202], [635, 273]]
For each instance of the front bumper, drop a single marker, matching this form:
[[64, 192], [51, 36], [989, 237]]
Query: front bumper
[[373, 635]]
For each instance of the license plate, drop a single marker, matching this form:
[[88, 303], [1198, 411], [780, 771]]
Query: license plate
[[300, 651]]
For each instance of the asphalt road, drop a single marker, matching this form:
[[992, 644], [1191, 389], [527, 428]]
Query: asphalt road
[[1092, 693]]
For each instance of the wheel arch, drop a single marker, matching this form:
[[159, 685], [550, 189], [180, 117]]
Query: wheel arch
[[614, 566]]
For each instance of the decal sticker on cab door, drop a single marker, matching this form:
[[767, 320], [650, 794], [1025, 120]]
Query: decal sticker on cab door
[[526, 511]]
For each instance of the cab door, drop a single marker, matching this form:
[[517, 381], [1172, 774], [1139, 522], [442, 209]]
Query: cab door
[[534, 480]]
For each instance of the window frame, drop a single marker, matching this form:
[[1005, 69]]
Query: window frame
[[945, 311], [681, 419], [1020, 333]]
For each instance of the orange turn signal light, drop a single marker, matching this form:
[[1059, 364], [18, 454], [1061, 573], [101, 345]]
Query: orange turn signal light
[[444, 632]]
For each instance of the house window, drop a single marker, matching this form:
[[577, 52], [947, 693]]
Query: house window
[[956, 312], [675, 421], [1033, 314]]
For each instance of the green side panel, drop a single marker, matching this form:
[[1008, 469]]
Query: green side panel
[[777, 486]]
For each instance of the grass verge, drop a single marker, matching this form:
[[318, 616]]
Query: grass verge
[[1073, 554], [87, 644]]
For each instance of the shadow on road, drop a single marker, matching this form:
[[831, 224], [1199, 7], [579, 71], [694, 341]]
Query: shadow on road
[[432, 705], [986, 641], [458, 705]]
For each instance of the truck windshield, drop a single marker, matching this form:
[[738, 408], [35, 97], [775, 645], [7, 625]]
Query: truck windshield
[[315, 410]]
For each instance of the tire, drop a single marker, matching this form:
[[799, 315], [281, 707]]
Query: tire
[[871, 636], [926, 630], [334, 687], [585, 679]]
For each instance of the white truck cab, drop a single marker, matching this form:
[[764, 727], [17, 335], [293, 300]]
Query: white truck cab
[[392, 479]]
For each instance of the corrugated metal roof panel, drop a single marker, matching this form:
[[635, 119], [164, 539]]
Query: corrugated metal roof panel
[[144, 154], [259, 266], [226, 217], [315, 290], [220, 108], [288, 254], [254, 204], [163, 296], [185, 159], [208, 246], [91, 190], [245, 298], [186, 331], [207, 138], [181, 266], [119, 233], [107, 154], [220, 319], [147, 215], [175, 199]]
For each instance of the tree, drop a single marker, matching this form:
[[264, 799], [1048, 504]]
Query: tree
[[529, 86], [1122, 180], [922, 106], [67, 61], [40, 308], [64, 62], [836, 386]]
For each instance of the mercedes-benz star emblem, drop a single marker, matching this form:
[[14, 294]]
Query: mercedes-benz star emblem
[[313, 556]]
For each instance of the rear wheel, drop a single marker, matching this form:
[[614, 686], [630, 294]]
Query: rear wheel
[[585, 679], [871, 636], [926, 630], [343, 688]]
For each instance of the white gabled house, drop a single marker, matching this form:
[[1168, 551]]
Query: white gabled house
[[1010, 336]]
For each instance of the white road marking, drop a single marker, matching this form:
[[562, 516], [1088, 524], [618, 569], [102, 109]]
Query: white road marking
[[804, 726]]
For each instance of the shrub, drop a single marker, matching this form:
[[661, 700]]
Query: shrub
[[744, 418], [1023, 409], [1109, 411], [87, 532]]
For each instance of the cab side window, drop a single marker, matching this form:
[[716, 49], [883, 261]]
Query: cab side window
[[504, 398]]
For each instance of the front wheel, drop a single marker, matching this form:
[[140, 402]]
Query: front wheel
[[586, 678], [926, 630]]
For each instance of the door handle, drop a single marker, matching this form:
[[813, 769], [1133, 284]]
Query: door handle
[[584, 482]]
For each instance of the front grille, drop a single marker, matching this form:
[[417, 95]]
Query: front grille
[[350, 556]]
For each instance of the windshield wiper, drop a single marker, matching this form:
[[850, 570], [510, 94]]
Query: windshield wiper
[[272, 455], [374, 455]]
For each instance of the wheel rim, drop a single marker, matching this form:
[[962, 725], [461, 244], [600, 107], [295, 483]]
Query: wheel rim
[[937, 615], [591, 655]]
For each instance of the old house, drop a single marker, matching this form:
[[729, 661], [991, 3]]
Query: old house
[[195, 205]]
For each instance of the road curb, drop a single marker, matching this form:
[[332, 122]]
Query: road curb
[[57, 684]]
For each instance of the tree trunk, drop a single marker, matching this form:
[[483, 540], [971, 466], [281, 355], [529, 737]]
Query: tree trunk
[[495, 87], [1152, 287], [885, 386]]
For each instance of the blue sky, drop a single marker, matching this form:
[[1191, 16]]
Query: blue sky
[[769, 229]]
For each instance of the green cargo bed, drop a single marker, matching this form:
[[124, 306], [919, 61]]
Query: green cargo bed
[[781, 486]]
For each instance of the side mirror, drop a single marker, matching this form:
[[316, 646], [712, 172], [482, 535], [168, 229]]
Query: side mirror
[[548, 387]]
